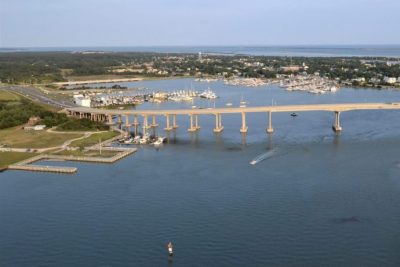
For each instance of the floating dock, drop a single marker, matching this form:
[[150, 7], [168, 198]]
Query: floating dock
[[26, 165]]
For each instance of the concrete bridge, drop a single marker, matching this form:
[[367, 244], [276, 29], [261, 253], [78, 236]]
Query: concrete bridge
[[149, 117]]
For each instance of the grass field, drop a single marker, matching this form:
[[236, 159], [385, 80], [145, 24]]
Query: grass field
[[94, 139], [8, 96], [8, 158], [91, 153], [19, 138]]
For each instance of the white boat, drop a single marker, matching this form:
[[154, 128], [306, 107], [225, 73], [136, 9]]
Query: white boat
[[158, 142], [170, 249], [143, 141], [136, 140], [262, 157], [162, 139], [208, 94], [242, 103], [128, 141], [229, 104]]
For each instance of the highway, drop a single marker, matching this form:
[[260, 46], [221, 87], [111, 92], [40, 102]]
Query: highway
[[38, 95]]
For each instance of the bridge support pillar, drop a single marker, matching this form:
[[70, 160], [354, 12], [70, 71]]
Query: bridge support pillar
[[119, 121], [127, 125], [270, 130], [191, 128], [110, 121], [136, 124], [145, 124], [194, 123], [168, 126], [218, 124], [154, 122], [244, 126], [336, 126], [174, 125]]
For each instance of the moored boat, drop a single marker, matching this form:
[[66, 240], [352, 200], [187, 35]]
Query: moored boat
[[170, 249]]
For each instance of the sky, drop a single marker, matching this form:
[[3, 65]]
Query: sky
[[66, 23]]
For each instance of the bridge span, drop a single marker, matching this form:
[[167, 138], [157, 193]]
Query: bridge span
[[106, 115]]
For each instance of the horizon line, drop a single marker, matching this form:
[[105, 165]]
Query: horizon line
[[206, 45]]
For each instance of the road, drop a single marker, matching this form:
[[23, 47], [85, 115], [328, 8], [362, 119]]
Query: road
[[38, 95], [283, 108]]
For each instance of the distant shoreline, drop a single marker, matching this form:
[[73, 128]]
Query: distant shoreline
[[389, 51], [98, 81]]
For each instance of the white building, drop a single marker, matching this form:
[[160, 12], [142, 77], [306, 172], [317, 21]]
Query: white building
[[359, 79], [82, 101], [375, 80], [35, 128], [389, 80]]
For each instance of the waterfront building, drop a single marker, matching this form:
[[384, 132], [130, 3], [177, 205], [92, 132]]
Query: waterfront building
[[375, 80], [82, 101], [359, 80], [389, 80]]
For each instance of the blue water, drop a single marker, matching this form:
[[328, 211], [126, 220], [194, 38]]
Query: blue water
[[319, 199], [292, 51]]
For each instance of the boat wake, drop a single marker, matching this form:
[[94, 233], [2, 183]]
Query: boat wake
[[263, 156]]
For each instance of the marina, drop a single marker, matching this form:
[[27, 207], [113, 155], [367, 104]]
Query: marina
[[311, 84], [133, 98], [247, 82]]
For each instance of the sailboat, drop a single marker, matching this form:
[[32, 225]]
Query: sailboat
[[242, 103]]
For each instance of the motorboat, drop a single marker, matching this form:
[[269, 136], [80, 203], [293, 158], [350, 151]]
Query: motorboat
[[128, 141], [162, 139], [208, 94], [158, 142], [136, 140], [170, 249]]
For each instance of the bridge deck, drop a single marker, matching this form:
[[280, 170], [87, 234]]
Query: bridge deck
[[283, 108]]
